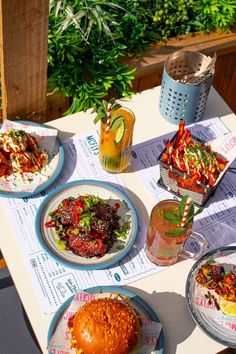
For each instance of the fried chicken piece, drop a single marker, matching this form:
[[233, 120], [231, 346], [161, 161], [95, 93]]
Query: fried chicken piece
[[86, 246]]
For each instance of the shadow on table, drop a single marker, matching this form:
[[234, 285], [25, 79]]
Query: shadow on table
[[218, 227], [227, 351], [213, 109], [173, 314], [16, 335], [66, 173], [66, 135], [140, 207]]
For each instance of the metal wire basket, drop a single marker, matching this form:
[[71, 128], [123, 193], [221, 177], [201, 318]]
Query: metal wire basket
[[179, 101], [172, 180]]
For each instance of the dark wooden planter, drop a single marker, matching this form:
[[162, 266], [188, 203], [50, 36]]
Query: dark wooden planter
[[57, 105]]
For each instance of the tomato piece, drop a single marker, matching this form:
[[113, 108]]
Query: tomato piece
[[76, 214], [229, 279], [50, 223], [79, 203], [116, 206]]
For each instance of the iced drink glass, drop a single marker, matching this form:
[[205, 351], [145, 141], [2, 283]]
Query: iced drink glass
[[163, 249], [115, 146]]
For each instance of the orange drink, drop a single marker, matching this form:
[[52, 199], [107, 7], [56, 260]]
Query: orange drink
[[115, 145]]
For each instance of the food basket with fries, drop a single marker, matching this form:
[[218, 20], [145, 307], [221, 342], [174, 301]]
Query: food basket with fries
[[188, 166]]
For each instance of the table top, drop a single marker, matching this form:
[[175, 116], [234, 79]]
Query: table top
[[165, 290]]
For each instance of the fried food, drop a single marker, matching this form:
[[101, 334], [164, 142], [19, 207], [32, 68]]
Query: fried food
[[20, 152], [195, 159]]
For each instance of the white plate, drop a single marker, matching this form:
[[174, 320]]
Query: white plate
[[212, 321], [141, 306], [102, 190], [15, 187]]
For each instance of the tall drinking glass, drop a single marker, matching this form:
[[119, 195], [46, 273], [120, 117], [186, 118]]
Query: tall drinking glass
[[162, 246], [115, 146]]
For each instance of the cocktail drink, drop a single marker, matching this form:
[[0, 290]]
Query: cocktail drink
[[116, 143], [160, 247], [166, 235]]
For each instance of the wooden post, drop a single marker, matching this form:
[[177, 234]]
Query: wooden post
[[23, 54]]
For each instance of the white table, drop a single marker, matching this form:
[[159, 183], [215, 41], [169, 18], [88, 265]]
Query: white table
[[165, 290]]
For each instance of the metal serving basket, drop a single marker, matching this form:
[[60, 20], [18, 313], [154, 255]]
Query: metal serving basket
[[171, 180]]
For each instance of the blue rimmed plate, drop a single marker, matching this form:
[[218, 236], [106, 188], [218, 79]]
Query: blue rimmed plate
[[51, 173], [141, 306], [217, 325], [103, 190]]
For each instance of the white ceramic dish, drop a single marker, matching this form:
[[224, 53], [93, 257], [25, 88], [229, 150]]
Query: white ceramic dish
[[141, 306], [103, 190], [16, 187], [208, 317]]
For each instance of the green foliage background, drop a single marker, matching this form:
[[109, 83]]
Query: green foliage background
[[88, 38]]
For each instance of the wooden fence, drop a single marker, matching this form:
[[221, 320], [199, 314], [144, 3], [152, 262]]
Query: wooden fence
[[23, 55]]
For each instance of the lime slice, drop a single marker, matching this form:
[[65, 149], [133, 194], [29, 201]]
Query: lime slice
[[120, 132], [228, 307]]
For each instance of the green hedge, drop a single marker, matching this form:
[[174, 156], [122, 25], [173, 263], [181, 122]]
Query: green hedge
[[87, 39]]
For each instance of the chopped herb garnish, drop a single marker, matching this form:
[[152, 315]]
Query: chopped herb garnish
[[17, 134]]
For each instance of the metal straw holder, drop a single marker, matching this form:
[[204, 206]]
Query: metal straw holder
[[180, 101]]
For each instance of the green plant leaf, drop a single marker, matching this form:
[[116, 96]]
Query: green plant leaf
[[182, 205], [104, 104], [190, 215], [178, 231], [198, 211], [172, 218], [115, 106], [98, 117], [196, 23], [211, 261], [97, 34]]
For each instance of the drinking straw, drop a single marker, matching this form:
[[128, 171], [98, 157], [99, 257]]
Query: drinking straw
[[108, 121], [186, 209]]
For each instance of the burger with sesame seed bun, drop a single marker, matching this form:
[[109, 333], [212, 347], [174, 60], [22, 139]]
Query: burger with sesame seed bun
[[107, 326]]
